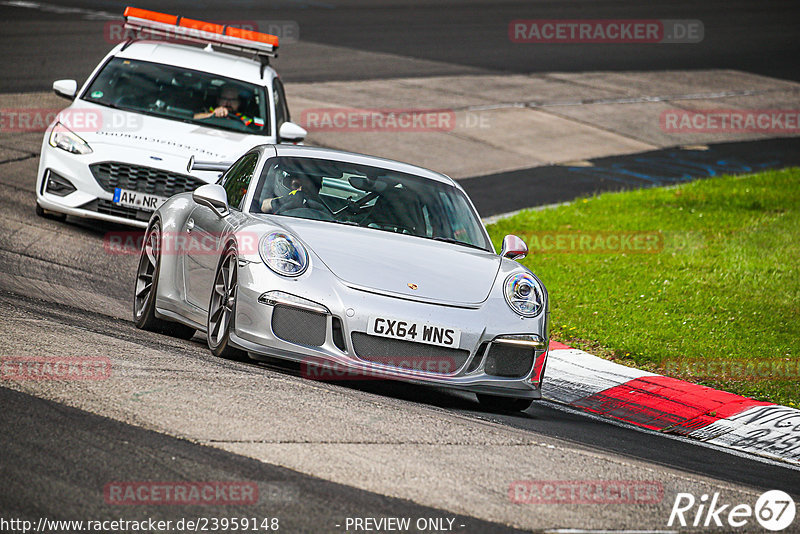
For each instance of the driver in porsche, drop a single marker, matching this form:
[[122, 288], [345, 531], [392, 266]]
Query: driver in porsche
[[292, 191], [228, 104]]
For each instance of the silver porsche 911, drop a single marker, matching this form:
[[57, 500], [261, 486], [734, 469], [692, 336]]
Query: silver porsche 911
[[354, 266]]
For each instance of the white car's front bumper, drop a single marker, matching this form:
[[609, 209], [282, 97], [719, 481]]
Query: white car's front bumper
[[90, 199]]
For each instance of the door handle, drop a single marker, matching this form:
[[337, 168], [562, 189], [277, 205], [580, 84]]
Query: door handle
[[189, 225]]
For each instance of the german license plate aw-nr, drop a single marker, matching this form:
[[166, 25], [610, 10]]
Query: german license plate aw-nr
[[137, 199]]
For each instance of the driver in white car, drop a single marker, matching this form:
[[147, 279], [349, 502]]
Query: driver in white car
[[228, 103]]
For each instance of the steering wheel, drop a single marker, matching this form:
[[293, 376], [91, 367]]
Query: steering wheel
[[283, 209], [354, 207], [223, 121]]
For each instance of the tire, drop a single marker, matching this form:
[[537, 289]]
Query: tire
[[144, 296], [495, 403], [222, 307], [61, 217]]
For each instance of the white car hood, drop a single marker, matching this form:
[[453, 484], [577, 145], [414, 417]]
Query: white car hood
[[164, 136], [390, 263]]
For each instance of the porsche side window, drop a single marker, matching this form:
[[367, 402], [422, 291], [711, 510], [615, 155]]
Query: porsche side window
[[454, 213], [237, 179]]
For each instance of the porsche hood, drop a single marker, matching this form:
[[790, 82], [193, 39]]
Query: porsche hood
[[398, 264]]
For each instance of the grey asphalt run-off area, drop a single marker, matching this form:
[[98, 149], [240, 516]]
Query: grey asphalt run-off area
[[535, 125]]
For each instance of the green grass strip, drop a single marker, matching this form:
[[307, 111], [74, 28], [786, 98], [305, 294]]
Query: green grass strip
[[698, 281]]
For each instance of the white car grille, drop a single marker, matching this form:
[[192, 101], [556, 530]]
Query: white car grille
[[110, 175]]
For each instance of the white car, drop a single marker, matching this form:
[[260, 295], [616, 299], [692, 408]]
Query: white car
[[123, 146]]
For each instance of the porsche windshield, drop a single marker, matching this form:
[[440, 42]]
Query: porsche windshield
[[181, 94], [369, 197]]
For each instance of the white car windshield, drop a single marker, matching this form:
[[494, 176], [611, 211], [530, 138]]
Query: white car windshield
[[181, 94], [369, 197]]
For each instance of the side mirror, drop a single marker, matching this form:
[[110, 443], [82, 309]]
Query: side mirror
[[514, 248], [291, 132], [65, 88], [212, 196], [195, 165]]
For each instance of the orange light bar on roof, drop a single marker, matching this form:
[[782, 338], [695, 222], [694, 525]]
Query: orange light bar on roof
[[202, 26], [146, 14], [250, 35], [211, 32]]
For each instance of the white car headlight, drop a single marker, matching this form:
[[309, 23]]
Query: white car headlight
[[65, 139], [524, 294], [283, 254]]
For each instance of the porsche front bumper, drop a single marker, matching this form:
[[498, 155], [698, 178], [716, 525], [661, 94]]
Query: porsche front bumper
[[325, 329]]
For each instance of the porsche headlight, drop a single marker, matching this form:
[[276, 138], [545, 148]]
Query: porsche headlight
[[283, 254], [65, 139], [524, 294]]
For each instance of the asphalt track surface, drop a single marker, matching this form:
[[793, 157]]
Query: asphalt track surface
[[57, 458], [507, 192], [444, 37], [46, 458], [124, 452]]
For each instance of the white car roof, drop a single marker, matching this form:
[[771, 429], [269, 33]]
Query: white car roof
[[197, 58]]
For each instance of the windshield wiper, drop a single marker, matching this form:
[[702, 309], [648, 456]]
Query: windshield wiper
[[457, 242]]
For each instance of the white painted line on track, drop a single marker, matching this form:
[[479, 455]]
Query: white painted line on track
[[764, 460], [575, 374], [534, 104], [87, 14], [494, 218], [770, 431]]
